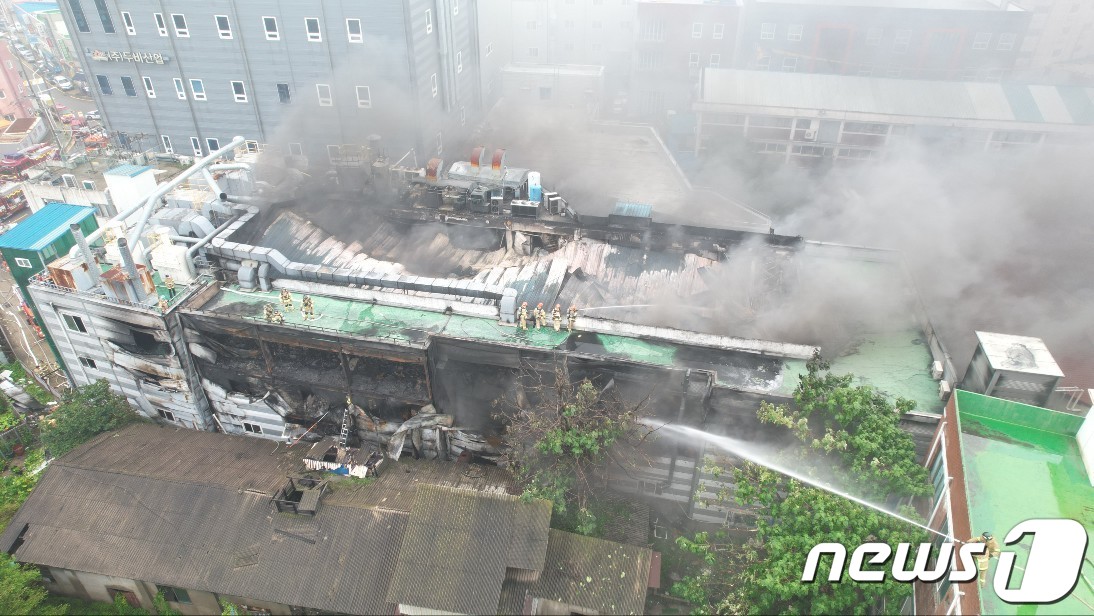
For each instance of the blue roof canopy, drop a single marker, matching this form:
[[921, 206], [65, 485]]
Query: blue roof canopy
[[44, 226]]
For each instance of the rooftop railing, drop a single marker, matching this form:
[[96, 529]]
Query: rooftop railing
[[43, 279]]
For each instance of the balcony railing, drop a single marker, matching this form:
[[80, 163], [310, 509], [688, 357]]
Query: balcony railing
[[42, 279]]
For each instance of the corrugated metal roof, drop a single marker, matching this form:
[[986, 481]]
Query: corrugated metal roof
[[900, 97], [44, 226], [128, 170], [637, 210]]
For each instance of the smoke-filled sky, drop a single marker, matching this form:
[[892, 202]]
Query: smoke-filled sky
[[996, 241]]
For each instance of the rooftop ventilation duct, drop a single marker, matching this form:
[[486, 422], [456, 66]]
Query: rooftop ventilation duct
[[85, 250], [433, 168], [131, 271], [478, 157], [498, 163]]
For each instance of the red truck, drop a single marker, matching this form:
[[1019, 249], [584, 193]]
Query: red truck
[[17, 162]]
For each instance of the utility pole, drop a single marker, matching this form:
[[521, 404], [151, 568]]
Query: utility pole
[[43, 112]]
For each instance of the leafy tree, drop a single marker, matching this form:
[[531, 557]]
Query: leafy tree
[[84, 413], [21, 590], [850, 433], [559, 434]]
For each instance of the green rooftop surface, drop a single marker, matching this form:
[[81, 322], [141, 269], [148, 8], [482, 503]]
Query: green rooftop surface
[[895, 363], [413, 327], [1023, 462]]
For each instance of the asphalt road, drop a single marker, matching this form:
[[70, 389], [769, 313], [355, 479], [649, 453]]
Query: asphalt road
[[73, 99]]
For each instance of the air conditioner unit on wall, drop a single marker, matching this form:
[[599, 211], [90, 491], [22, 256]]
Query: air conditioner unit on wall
[[811, 134], [943, 390], [936, 370]]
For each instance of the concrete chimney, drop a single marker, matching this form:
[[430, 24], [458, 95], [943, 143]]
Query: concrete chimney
[[131, 271], [81, 241]]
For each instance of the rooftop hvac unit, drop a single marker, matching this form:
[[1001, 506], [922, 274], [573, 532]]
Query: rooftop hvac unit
[[936, 370], [943, 390], [69, 180]]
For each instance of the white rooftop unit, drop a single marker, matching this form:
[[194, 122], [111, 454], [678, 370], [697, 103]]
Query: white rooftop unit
[[1017, 368], [130, 185]]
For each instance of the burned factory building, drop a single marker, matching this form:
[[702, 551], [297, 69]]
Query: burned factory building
[[384, 309]]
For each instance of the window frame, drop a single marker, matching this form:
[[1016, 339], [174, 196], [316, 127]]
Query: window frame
[[1010, 38], [161, 24], [764, 35], [697, 30], [127, 21], [977, 45], [694, 59], [87, 362], [185, 31], [73, 322], [169, 416], [180, 89], [715, 60], [429, 21], [313, 37], [287, 98], [210, 141], [364, 103], [795, 32], [902, 41], [195, 145], [252, 428], [104, 17], [198, 96], [440, 142], [874, 36], [104, 85], [271, 35], [319, 94], [149, 89], [239, 97], [131, 88], [23, 262], [455, 7], [79, 16], [221, 32], [790, 68], [459, 62], [168, 147], [171, 593], [299, 149], [433, 86], [350, 36], [719, 32]]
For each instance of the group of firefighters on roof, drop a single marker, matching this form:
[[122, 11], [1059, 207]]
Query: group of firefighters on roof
[[273, 315], [540, 317]]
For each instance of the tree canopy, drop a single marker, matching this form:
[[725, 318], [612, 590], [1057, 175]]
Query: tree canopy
[[857, 429], [21, 590], [84, 413]]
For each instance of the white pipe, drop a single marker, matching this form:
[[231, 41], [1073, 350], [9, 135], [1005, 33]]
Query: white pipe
[[211, 181], [230, 167], [184, 239], [193, 250], [163, 189]]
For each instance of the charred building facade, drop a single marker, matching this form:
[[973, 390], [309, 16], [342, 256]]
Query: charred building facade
[[400, 334]]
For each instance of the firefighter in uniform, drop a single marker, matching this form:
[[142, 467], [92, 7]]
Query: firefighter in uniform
[[982, 560], [286, 299], [308, 309], [556, 317], [541, 316], [522, 316], [169, 282], [277, 317], [571, 318], [163, 304], [267, 312]]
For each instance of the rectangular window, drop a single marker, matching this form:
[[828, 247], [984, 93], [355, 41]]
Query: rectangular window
[[239, 91], [696, 31], [21, 262], [170, 593], [311, 26], [1006, 42], [161, 25], [794, 32], [104, 16], [167, 591], [127, 85], [719, 31], [433, 84], [353, 30], [900, 43], [873, 37], [87, 362], [197, 89], [270, 24], [364, 97], [323, 90], [767, 32], [429, 21], [459, 61], [224, 27], [179, 89], [982, 40], [74, 323], [252, 428], [334, 154], [295, 149], [489, 49], [790, 65], [693, 60], [533, 52], [195, 144], [167, 144], [440, 142], [715, 60], [283, 92], [104, 84], [181, 30], [78, 16], [127, 19], [214, 144], [455, 7], [463, 116]]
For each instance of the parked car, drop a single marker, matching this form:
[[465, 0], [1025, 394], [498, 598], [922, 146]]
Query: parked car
[[93, 115], [63, 82]]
